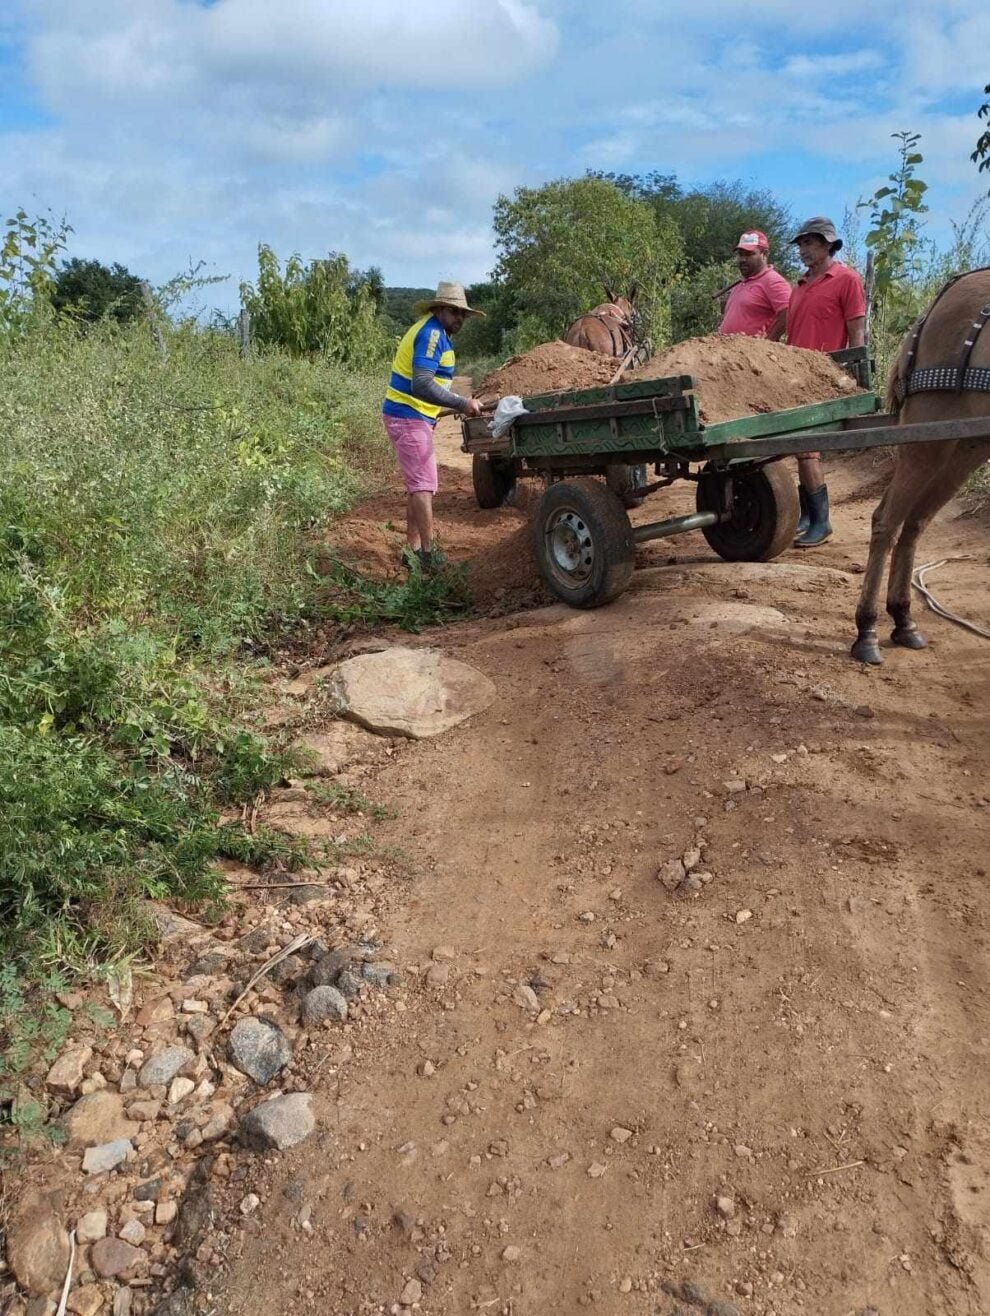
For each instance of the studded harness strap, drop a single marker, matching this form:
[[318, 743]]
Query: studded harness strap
[[959, 378]]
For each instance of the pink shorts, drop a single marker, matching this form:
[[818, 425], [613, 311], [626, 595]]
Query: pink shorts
[[413, 444]]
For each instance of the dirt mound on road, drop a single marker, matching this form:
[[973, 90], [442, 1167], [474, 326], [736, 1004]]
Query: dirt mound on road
[[493, 545], [550, 368], [737, 376]]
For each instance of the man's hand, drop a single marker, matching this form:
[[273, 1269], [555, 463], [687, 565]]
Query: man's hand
[[472, 407]]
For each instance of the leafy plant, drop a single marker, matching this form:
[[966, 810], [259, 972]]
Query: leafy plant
[[981, 155], [322, 308], [348, 800], [420, 600], [895, 224], [28, 255]]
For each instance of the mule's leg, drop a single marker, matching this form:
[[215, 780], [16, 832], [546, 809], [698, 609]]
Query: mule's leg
[[887, 518], [954, 465]]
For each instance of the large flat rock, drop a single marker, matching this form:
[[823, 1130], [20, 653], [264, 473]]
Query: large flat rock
[[409, 692]]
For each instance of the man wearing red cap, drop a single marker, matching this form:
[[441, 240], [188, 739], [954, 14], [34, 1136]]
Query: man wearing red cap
[[757, 304]]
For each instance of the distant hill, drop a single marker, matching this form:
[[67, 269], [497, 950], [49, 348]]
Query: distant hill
[[399, 304]]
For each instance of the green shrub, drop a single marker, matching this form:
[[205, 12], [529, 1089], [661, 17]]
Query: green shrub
[[156, 519]]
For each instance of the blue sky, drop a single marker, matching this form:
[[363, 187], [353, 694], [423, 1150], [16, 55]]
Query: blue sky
[[170, 130]]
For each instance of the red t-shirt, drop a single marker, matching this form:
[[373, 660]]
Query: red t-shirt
[[818, 311], [755, 303]]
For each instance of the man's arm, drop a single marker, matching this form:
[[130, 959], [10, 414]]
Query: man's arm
[[776, 331], [426, 388], [856, 331]]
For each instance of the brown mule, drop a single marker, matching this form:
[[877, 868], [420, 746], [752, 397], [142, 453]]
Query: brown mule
[[607, 328], [942, 373]]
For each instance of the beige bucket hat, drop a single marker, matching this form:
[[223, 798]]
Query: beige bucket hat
[[447, 294]]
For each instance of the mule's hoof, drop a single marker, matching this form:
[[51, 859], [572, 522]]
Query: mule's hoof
[[867, 651], [908, 637]]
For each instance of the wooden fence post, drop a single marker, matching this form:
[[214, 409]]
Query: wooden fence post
[[868, 291], [244, 330]]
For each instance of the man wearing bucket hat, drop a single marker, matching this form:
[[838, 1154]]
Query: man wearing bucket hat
[[827, 313], [757, 304], [418, 390]]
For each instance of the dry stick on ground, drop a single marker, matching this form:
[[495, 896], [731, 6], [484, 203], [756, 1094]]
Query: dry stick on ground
[[297, 943], [835, 1169]]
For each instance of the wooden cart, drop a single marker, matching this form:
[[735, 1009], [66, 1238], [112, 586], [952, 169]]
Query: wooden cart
[[747, 505]]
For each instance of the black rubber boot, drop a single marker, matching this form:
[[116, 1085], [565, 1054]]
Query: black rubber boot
[[433, 559], [804, 521], [819, 527]]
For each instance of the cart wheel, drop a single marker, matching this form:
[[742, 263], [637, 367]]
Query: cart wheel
[[493, 480], [583, 543], [625, 482], [765, 511]]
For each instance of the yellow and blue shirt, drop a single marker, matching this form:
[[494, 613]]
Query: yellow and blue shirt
[[424, 345]]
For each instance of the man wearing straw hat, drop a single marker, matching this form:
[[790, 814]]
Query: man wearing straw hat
[[418, 390]]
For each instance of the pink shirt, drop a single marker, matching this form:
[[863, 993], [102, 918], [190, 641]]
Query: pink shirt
[[819, 310], [755, 303]]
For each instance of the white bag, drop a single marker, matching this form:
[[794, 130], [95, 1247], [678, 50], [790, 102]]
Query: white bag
[[505, 413]]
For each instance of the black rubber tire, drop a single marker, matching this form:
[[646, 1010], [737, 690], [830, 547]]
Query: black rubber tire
[[765, 513], [624, 481], [493, 480], [583, 543]]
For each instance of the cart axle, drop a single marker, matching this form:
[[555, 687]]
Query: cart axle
[[675, 525]]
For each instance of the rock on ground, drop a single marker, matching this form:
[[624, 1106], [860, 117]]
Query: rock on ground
[[329, 751], [68, 1070], [258, 1048], [162, 1067], [112, 1257], [279, 1123], [37, 1246], [96, 1119], [323, 1003], [107, 1156], [409, 692]]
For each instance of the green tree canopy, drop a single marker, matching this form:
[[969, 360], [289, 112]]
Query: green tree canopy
[[323, 307], [559, 245], [89, 290], [711, 218]]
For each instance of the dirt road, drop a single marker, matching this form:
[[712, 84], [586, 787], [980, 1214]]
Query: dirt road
[[769, 1081]]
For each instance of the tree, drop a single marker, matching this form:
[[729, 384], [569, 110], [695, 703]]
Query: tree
[[981, 156], [324, 307], [711, 218], [559, 246], [88, 290]]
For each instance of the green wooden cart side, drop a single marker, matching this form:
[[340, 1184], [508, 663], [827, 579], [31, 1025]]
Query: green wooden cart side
[[646, 421]]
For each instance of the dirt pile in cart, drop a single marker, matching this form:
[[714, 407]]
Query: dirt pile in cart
[[549, 368], [737, 376]]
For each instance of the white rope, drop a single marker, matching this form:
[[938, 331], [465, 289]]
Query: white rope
[[68, 1275], [918, 581]]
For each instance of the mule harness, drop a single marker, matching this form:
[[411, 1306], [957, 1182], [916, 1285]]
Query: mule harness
[[959, 378]]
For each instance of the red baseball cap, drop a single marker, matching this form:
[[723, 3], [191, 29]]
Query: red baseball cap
[[753, 240]]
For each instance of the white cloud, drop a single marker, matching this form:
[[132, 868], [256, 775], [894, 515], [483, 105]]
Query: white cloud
[[832, 66]]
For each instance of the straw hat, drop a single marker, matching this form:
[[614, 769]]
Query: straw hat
[[447, 294]]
